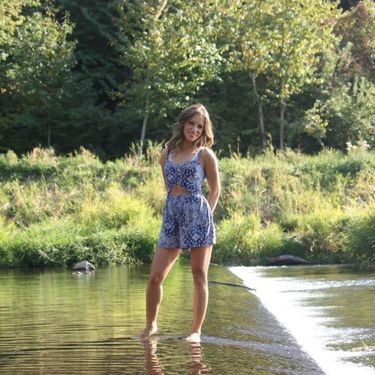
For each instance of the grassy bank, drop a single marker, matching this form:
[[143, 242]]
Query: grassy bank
[[59, 210]]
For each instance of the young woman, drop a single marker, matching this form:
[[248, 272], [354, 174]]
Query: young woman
[[187, 220]]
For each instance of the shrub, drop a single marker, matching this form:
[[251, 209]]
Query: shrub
[[320, 233], [60, 209], [359, 238], [243, 240], [63, 243], [112, 209]]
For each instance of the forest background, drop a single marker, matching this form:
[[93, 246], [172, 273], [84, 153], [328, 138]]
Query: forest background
[[90, 90], [106, 74]]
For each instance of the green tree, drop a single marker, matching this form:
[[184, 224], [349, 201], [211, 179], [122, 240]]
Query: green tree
[[356, 29], [95, 29], [283, 41], [344, 107], [11, 17], [250, 47], [36, 64], [172, 51]]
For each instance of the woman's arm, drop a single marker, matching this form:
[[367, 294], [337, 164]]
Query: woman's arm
[[211, 168]]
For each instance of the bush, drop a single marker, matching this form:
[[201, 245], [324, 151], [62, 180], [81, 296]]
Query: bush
[[112, 209], [312, 206], [243, 240], [359, 238], [63, 243], [320, 234]]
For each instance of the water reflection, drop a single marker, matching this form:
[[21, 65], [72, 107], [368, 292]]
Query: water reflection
[[53, 322], [154, 366], [197, 366]]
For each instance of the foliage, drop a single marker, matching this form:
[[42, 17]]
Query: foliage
[[360, 238], [283, 41], [57, 210], [62, 243], [93, 73], [357, 29], [36, 60], [170, 46], [95, 29], [350, 113], [292, 204], [242, 240], [344, 106]]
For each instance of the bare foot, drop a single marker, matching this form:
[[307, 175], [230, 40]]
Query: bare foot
[[194, 337], [148, 332]]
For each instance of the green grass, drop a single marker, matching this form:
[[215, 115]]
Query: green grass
[[56, 210]]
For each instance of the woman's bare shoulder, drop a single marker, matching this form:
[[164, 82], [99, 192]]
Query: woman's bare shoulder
[[208, 155]]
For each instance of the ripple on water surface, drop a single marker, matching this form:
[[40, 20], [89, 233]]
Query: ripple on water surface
[[56, 322]]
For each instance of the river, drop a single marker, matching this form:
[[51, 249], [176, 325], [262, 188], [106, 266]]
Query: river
[[329, 310], [59, 322]]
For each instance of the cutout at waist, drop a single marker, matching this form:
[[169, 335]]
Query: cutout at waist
[[179, 190]]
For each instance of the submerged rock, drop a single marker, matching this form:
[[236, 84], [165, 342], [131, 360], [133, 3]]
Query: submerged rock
[[84, 266], [286, 260]]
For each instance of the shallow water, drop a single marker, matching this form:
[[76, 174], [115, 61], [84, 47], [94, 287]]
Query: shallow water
[[329, 310], [57, 322]]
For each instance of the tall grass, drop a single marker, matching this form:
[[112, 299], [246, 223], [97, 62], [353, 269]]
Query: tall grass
[[55, 210], [59, 210], [304, 205]]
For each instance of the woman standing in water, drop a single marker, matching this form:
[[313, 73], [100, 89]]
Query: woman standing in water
[[187, 219]]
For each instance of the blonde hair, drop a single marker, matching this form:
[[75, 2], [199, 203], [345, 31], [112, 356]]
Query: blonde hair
[[207, 137]]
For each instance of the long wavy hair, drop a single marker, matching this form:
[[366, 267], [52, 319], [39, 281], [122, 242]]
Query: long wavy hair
[[207, 137]]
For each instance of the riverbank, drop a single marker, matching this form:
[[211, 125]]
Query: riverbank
[[57, 210]]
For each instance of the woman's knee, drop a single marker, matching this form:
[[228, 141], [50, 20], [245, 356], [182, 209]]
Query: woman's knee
[[156, 279], [199, 275]]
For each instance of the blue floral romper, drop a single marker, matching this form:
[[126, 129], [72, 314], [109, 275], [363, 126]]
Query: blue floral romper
[[187, 218]]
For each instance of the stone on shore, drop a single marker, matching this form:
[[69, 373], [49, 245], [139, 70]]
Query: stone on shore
[[84, 266]]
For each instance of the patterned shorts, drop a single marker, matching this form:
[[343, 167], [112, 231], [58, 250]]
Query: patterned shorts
[[187, 222]]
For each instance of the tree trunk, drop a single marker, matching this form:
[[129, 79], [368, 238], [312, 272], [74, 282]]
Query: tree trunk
[[260, 113], [144, 125], [282, 124], [146, 115], [143, 133]]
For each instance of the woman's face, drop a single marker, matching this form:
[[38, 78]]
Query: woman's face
[[193, 128]]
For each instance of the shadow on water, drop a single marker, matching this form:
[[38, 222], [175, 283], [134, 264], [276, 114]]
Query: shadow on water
[[56, 322]]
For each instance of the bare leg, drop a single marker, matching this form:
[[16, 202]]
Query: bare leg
[[199, 261], [161, 265]]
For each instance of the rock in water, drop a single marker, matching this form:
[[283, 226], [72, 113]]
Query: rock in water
[[286, 260], [84, 266]]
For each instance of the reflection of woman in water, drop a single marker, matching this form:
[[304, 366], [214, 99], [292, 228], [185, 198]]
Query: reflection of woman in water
[[154, 367], [188, 216]]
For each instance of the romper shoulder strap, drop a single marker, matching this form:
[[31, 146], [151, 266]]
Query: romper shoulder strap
[[199, 154], [169, 153]]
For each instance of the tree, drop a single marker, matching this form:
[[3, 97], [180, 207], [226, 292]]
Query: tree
[[283, 41], [95, 30], [357, 29], [344, 108], [36, 63], [11, 17], [170, 47]]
